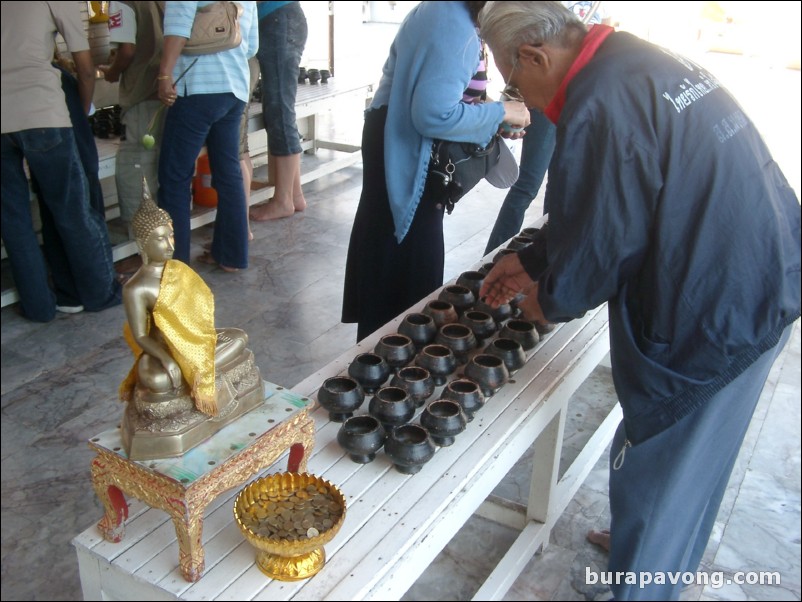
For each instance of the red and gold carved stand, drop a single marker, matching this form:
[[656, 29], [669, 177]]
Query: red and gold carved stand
[[184, 486]]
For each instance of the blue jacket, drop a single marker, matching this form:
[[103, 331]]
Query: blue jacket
[[665, 202], [432, 59]]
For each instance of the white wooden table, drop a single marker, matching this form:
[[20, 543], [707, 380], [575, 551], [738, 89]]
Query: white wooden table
[[395, 524]]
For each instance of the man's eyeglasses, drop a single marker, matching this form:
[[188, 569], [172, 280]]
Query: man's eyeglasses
[[510, 92]]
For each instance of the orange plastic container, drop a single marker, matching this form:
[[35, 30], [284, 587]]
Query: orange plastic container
[[202, 192]]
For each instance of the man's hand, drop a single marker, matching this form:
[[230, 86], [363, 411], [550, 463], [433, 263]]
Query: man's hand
[[505, 281], [122, 60], [85, 72], [108, 74], [530, 307]]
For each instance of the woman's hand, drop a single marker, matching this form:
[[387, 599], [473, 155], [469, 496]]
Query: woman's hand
[[510, 133], [516, 115], [167, 93]]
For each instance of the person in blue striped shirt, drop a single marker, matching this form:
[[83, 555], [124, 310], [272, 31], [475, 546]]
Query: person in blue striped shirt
[[205, 107]]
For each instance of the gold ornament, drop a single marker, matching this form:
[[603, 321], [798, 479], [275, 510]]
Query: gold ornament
[[148, 217]]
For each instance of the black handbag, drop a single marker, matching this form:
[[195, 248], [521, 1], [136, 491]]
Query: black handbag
[[456, 167]]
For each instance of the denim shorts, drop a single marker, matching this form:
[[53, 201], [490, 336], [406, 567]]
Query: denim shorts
[[282, 37]]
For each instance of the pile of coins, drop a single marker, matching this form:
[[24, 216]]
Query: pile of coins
[[292, 515]]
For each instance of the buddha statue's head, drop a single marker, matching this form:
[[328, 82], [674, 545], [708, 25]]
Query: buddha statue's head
[[151, 222]]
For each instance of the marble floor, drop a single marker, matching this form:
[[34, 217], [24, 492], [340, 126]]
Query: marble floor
[[59, 383]]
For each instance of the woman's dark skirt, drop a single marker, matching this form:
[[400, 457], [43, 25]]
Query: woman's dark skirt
[[382, 277]]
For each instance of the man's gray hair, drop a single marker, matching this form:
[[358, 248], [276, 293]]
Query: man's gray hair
[[506, 25]]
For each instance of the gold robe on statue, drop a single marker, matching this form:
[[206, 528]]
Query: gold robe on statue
[[184, 313]]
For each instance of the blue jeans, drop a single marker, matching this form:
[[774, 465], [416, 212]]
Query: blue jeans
[[538, 146], [214, 120], [76, 236], [282, 38], [84, 139]]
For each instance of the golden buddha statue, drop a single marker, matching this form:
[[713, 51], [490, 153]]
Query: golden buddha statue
[[189, 378]]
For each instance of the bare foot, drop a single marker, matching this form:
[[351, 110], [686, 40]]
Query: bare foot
[[600, 538], [209, 260], [299, 203], [272, 209], [250, 235], [206, 257]]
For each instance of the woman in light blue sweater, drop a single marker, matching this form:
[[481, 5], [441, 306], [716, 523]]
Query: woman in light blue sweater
[[396, 252]]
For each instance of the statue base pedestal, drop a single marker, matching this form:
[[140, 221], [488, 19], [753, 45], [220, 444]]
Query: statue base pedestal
[[161, 427], [184, 486]]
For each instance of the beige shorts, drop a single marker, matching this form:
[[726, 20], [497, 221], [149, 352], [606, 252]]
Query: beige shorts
[[244, 151]]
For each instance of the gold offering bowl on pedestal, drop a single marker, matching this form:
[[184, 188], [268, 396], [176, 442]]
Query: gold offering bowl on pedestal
[[289, 517]]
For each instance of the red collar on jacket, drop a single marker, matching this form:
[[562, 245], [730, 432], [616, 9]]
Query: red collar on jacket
[[594, 38]]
